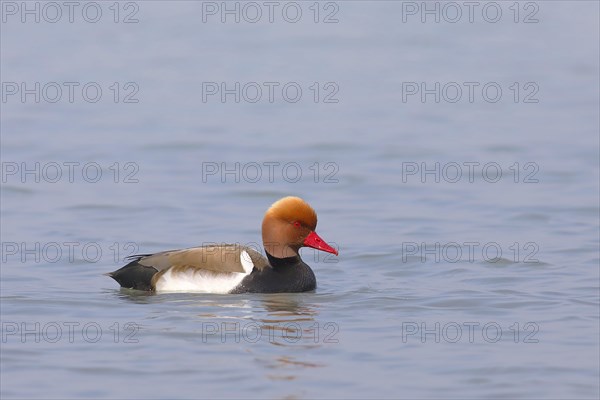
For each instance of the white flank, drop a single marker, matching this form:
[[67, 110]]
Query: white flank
[[195, 280]]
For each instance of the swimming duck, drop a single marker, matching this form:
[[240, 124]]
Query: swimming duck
[[288, 225]]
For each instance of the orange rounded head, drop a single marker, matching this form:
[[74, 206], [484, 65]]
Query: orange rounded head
[[290, 224]]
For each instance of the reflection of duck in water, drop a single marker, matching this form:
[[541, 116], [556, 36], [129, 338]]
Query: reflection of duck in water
[[285, 306], [288, 225]]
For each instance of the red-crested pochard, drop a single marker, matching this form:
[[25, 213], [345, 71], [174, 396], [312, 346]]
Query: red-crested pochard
[[288, 225]]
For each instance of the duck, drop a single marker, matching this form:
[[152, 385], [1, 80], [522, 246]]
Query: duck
[[288, 225]]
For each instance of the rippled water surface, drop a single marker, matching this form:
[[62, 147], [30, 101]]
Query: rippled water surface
[[468, 230]]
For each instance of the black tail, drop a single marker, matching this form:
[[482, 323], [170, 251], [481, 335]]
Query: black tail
[[134, 276]]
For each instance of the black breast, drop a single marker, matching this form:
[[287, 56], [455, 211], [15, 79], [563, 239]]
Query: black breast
[[290, 275]]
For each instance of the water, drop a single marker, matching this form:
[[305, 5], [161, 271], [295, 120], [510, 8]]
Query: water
[[414, 307]]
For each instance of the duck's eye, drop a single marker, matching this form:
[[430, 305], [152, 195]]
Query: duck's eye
[[297, 224]]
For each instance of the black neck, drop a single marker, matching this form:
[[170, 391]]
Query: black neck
[[283, 262]]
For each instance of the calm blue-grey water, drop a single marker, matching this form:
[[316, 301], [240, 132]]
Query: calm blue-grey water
[[455, 164]]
